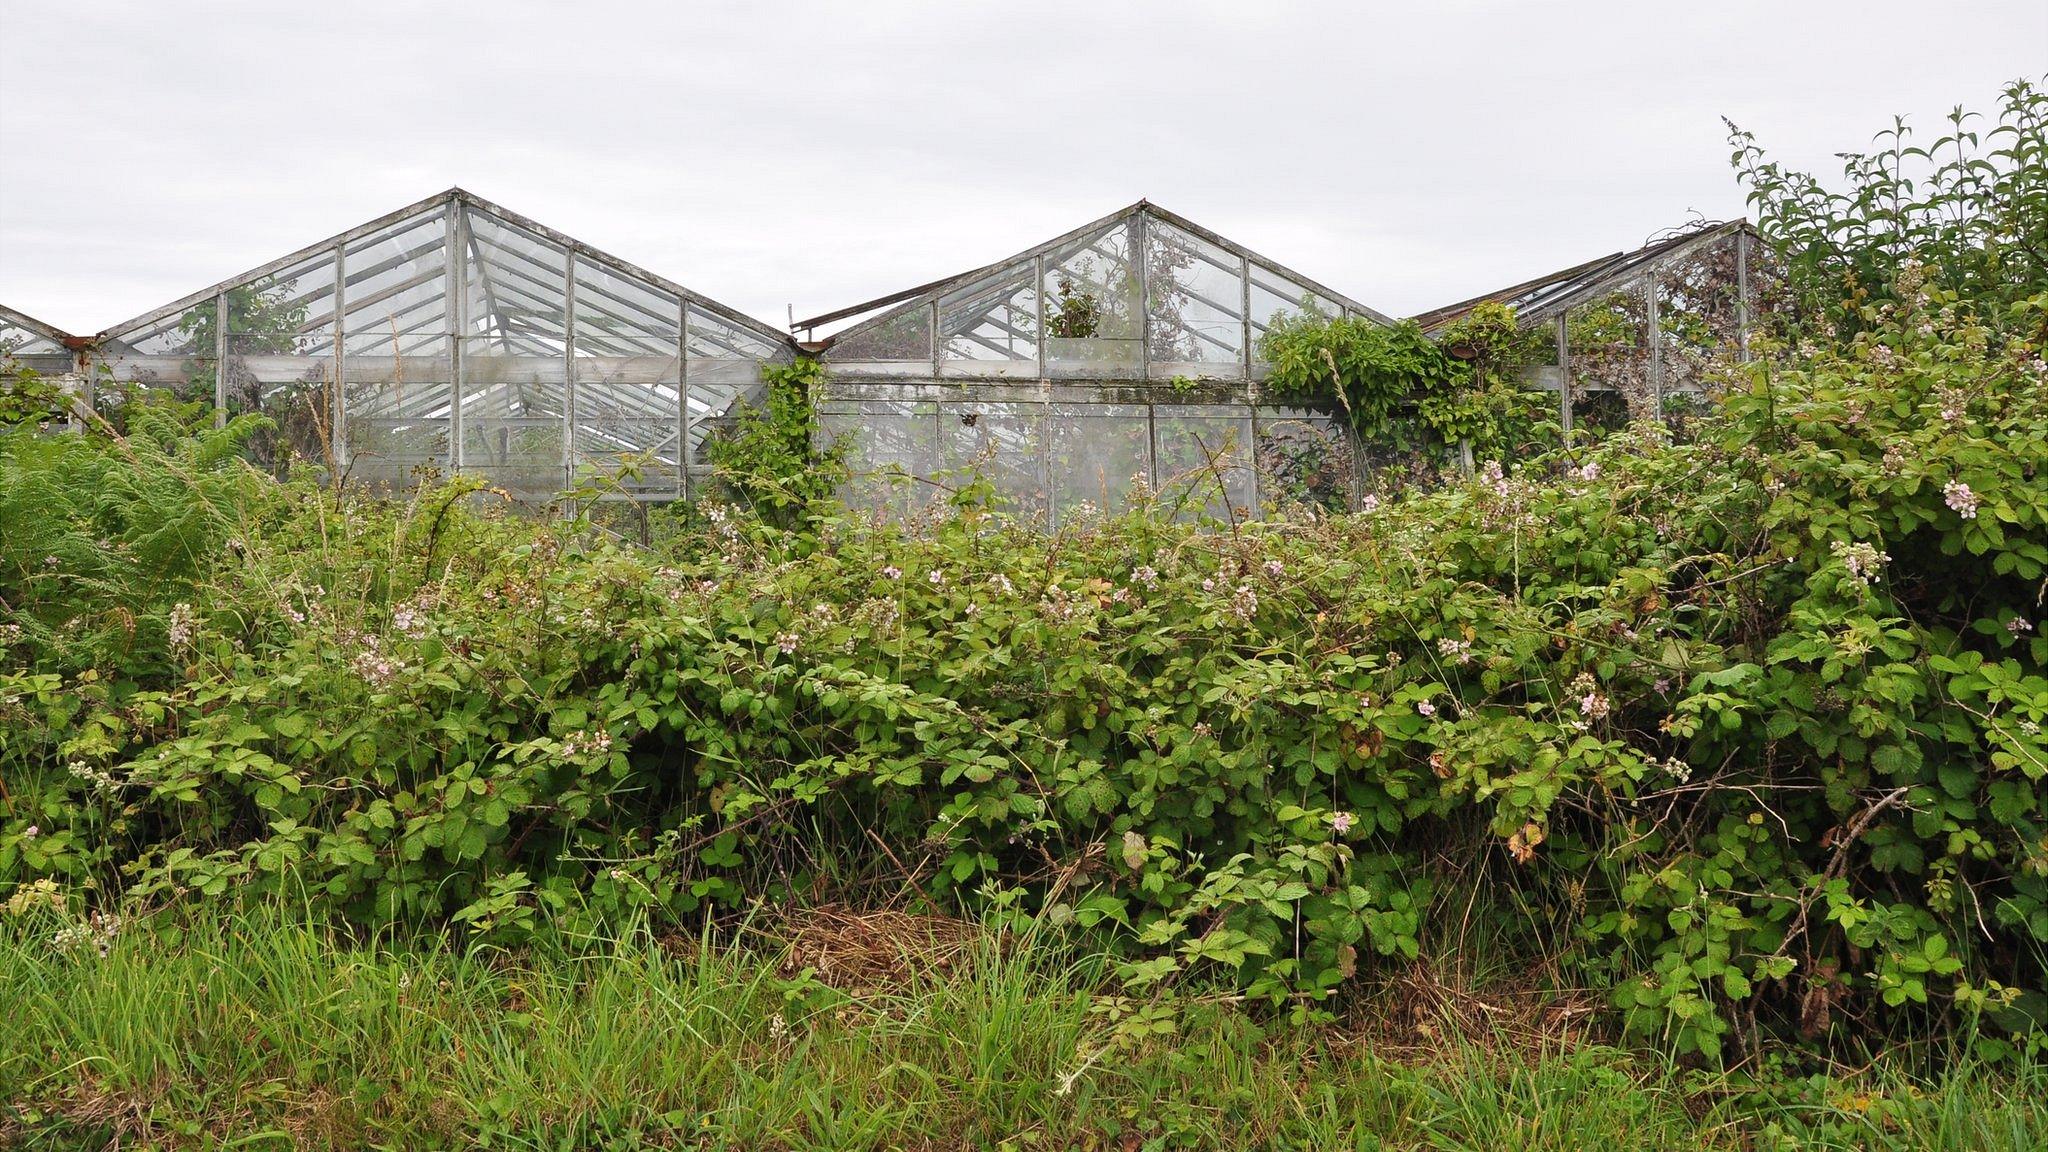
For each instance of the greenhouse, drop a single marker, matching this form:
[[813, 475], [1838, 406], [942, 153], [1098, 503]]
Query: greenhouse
[[458, 335], [1698, 289], [1124, 353], [1123, 356]]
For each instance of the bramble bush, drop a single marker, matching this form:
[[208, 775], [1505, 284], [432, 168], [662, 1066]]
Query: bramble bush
[[1750, 725]]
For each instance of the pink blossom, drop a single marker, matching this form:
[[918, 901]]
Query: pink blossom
[[1341, 823], [1426, 708], [1959, 497]]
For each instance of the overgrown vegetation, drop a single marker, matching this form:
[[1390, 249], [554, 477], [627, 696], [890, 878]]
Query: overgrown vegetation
[[1744, 733], [1459, 386], [273, 1034]]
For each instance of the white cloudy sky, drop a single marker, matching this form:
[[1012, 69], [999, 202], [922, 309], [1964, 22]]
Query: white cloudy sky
[[815, 154]]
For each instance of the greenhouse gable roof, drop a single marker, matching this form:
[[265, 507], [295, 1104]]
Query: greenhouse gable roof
[[881, 313], [1551, 295], [397, 276]]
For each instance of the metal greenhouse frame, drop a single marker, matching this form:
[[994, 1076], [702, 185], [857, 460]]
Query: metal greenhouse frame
[[454, 334], [1122, 352], [457, 334]]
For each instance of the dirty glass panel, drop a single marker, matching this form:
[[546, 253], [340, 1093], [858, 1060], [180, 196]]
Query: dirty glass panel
[[628, 428], [293, 308], [1273, 297], [513, 406], [1698, 312], [1194, 313], [1092, 309], [1003, 443], [892, 446], [1405, 457], [1304, 460], [395, 301], [398, 414], [1609, 350], [897, 341], [993, 323], [517, 286], [621, 315], [173, 357], [724, 375], [1204, 462], [295, 390], [1096, 454]]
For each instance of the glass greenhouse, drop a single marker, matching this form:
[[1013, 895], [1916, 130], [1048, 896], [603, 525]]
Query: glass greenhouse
[[1698, 290], [1122, 353], [456, 334]]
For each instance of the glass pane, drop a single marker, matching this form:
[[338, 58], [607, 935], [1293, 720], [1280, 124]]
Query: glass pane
[[20, 342], [1195, 314], [396, 286], [188, 333], [1274, 296], [1304, 458], [1698, 301], [713, 337], [628, 421], [296, 391], [512, 418], [517, 290], [620, 315], [893, 447], [906, 338], [1609, 349], [294, 308], [1204, 461], [1091, 308], [397, 414], [1001, 442], [1095, 454], [995, 318]]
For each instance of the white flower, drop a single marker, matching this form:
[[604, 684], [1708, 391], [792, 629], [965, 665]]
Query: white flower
[[1862, 560], [1425, 707], [1959, 497], [1459, 650], [1274, 568], [937, 577], [1244, 603], [892, 572], [787, 642], [31, 832], [1368, 503], [2019, 624], [1144, 574], [184, 623], [1341, 823]]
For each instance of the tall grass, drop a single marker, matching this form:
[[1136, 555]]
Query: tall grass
[[264, 1030]]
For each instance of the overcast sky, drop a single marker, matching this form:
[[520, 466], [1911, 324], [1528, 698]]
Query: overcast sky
[[772, 155]]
